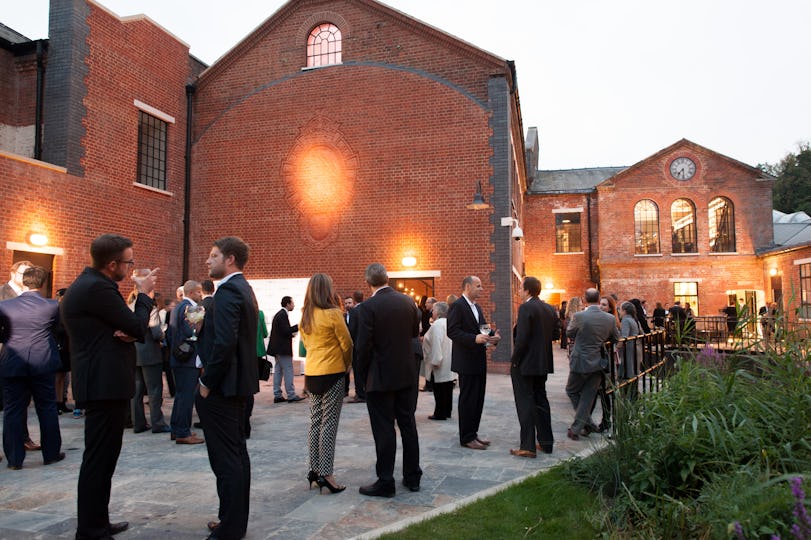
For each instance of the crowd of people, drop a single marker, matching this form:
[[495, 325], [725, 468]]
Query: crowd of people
[[210, 346]]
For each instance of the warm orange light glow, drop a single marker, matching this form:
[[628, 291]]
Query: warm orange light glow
[[322, 187], [773, 271], [38, 239], [409, 261]]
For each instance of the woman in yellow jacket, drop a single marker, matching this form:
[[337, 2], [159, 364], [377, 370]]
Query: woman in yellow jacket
[[329, 358]]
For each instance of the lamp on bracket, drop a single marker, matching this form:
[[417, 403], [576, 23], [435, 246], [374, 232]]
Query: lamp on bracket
[[517, 233], [478, 199]]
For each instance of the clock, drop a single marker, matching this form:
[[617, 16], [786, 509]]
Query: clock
[[682, 168]]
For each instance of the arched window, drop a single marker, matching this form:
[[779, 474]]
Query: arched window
[[722, 226], [683, 218], [646, 227], [324, 45]]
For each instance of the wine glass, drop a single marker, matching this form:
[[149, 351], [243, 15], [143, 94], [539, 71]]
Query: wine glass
[[484, 329], [195, 315]]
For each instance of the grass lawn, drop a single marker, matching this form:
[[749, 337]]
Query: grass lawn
[[548, 505]]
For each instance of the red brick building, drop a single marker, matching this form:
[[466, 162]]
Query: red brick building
[[338, 133]]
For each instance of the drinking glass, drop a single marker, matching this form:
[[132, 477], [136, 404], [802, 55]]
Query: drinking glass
[[195, 315]]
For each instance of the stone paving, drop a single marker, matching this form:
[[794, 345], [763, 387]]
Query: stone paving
[[168, 491]]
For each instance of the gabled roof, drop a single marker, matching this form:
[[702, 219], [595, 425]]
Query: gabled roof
[[698, 149], [284, 11], [571, 180], [10, 35]]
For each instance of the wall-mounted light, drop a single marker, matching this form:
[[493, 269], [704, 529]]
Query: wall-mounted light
[[478, 199], [549, 285], [409, 261], [773, 272], [37, 239]]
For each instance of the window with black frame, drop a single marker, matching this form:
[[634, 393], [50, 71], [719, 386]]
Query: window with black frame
[[721, 226], [646, 228], [805, 291], [152, 144], [683, 219], [567, 232]]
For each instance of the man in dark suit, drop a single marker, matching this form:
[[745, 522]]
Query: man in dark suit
[[280, 346], [28, 364], [590, 329], [102, 329], [9, 290], [184, 369], [531, 363], [469, 360], [227, 348], [387, 323]]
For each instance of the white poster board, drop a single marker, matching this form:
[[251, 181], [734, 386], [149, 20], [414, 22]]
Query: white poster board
[[269, 294]]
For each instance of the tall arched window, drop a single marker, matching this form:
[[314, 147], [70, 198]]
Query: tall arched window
[[722, 226], [683, 218], [324, 45], [646, 227]]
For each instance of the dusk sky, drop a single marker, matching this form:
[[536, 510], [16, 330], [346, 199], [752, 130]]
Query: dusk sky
[[605, 83]]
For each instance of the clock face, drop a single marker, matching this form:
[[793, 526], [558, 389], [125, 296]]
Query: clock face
[[682, 168]]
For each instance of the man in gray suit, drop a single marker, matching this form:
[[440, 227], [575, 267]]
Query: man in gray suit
[[590, 329]]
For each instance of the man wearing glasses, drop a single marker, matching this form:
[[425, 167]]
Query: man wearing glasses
[[102, 329]]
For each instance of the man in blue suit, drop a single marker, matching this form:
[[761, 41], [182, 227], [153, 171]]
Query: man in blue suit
[[184, 369], [28, 365]]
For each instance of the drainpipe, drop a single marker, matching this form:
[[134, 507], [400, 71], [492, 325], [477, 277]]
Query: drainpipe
[[190, 88], [38, 104], [591, 254]]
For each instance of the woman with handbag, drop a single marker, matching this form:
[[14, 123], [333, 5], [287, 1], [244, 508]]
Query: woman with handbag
[[329, 357]]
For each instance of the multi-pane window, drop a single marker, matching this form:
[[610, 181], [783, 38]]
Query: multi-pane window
[[805, 291], [722, 226], [324, 45], [646, 227], [151, 151], [567, 232], [686, 292], [683, 218]]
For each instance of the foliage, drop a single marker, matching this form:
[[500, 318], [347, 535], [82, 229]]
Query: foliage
[[717, 445], [792, 190], [547, 505]]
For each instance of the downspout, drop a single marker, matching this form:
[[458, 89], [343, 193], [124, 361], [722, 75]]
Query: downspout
[[591, 254], [190, 88], [38, 104]]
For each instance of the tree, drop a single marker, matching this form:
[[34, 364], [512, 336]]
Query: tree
[[792, 189]]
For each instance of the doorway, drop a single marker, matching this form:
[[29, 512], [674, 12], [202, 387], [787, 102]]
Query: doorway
[[45, 260], [418, 288]]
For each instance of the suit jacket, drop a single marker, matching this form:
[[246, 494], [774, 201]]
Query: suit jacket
[[180, 330], [6, 292], [590, 328], [30, 348], [102, 366], [227, 340], [148, 352], [467, 356], [534, 332], [387, 324], [281, 334]]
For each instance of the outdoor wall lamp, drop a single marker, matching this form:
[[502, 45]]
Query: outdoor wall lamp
[[409, 261], [37, 239], [478, 199]]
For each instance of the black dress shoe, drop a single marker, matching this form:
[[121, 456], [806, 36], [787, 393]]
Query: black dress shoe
[[115, 528], [141, 430], [279, 400], [434, 417], [411, 486], [376, 490], [57, 459], [163, 429]]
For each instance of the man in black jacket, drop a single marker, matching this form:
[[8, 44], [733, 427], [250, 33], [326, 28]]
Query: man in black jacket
[[531, 363], [227, 348], [280, 347], [387, 324], [102, 329]]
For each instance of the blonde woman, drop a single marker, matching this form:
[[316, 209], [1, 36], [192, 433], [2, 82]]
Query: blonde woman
[[329, 358]]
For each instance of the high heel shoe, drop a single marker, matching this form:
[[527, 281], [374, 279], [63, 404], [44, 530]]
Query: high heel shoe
[[312, 478], [324, 483]]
